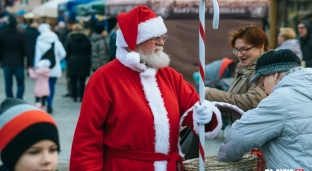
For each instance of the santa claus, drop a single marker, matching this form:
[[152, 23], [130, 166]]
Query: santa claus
[[134, 106]]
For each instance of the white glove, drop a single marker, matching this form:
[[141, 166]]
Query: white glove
[[203, 112]]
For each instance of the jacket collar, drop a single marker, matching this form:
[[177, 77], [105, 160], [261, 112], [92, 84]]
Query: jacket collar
[[246, 70]]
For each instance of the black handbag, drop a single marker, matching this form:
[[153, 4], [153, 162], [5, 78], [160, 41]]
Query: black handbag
[[50, 55]]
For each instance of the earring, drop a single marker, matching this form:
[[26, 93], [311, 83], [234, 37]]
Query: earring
[[261, 53]]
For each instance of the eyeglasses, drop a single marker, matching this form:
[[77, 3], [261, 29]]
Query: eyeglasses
[[163, 38], [243, 51]]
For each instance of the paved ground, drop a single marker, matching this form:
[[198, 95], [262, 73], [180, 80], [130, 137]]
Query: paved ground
[[66, 112]]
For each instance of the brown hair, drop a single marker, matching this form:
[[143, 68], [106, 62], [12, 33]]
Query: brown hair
[[252, 35], [287, 33]]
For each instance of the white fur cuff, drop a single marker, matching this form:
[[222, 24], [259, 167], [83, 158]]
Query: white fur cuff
[[210, 134]]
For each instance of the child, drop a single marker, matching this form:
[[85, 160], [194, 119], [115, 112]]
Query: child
[[29, 137], [41, 75]]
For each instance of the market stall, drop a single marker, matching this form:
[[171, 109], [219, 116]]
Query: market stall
[[85, 9], [181, 19], [99, 6], [71, 7], [48, 9]]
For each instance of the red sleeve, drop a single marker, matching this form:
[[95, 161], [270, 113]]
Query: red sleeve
[[87, 148]]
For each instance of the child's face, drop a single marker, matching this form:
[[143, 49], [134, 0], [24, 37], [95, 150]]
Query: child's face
[[41, 156]]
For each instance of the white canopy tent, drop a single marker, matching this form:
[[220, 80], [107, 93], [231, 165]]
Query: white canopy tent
[[29, 15], [48, 9]]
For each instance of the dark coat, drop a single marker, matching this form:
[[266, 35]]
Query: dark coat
[[3, 168], [112, 45], [13, 48], [306, 44], [62, 35], [78, 57], [31, 35], [100, 54]]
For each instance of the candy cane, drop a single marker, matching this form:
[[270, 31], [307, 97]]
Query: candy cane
[[215, 24]]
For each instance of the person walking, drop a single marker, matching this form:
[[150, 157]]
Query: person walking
[[13, 50], [31, 34], [41, 77], [100, 55], [61, 31], [68, 29], [281, 123], [78, 59], [134, 106], [49, 47], [287, 40], [305, 37]]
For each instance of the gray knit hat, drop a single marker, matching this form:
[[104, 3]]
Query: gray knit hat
[[21, 126], [275, 61]]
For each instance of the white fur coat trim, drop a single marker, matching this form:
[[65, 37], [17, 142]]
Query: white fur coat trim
[[181, 122], [146, 30], [213, 133], [161, 120], [230, 106], [131, 60], [208, 135]]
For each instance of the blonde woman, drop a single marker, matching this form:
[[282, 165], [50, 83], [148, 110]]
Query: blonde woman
[[287, 40]]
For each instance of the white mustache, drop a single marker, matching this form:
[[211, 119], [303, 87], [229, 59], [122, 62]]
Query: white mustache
[[158, 48]]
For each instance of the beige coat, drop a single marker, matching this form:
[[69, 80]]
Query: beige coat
[[242, 93]]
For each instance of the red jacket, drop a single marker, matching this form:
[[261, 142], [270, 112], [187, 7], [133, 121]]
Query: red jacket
[[136, 113]]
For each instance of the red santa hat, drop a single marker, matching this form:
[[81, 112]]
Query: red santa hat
[[136, 26]]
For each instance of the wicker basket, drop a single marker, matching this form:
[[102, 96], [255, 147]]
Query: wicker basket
[[248, 163]]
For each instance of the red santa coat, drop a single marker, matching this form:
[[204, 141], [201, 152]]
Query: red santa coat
[[124, 109]]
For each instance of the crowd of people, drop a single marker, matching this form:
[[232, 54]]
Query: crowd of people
[[82, 52], [135, 106]]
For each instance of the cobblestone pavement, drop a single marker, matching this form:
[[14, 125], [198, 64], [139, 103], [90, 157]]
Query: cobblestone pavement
[[66, 112]]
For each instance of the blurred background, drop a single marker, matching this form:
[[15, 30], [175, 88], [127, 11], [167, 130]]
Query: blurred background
[[181, 18]]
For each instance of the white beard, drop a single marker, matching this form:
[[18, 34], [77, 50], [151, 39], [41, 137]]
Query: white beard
[[155, 59]]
